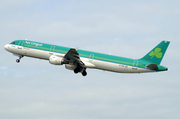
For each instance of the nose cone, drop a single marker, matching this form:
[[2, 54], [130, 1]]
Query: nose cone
[[6, 47]]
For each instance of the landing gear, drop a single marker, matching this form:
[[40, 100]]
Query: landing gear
[[18, 60], [84, 73], [76, 70]]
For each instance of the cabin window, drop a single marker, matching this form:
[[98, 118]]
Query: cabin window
[[12, 42]]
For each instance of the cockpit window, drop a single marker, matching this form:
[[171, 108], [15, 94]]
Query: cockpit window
[[13, 43]]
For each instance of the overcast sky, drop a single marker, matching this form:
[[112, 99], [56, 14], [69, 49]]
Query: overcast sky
[[35, 89]]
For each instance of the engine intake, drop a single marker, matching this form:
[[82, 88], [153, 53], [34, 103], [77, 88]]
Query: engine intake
[[70, 67], [55, 60]]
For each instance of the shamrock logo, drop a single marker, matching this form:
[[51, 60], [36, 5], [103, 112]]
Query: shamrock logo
[[157, 52]]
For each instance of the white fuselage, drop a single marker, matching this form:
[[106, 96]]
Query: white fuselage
[[91, 63]]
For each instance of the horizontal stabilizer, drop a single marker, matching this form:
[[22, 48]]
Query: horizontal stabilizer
[[152, 66]]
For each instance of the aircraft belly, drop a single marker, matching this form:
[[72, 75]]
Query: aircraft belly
[[117, 67], [17, 50], [38, 54], [32, 53]]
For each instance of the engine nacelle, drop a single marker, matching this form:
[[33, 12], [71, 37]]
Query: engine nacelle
[[56, 60], [70, 67]]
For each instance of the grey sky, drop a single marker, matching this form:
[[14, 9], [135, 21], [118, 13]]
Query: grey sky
[[36, 89]]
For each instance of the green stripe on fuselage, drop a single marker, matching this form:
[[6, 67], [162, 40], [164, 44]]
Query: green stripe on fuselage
[[82, 53]]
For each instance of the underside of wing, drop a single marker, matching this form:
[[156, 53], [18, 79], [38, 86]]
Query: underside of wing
[[73, 62], [72, 56]]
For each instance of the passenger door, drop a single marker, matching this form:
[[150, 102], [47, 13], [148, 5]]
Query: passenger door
[[135, 64], [51, 50], [20, 45], [91, 57]]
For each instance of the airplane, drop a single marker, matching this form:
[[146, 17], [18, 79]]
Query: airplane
[[79, 60]]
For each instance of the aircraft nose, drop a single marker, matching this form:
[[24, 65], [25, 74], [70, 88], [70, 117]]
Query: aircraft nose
[[6, 47]]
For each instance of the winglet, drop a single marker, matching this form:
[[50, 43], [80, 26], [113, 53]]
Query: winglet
[[76, 48]]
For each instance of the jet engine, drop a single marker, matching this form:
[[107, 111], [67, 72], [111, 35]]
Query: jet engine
[[70, 67], [56, 60]]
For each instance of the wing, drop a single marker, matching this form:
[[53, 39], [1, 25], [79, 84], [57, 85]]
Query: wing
[[72, 56]]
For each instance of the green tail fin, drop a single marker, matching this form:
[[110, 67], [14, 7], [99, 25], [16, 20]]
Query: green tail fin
[[157, 53]]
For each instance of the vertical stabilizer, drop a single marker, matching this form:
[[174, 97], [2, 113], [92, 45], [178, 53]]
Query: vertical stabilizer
[[157, 53]]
